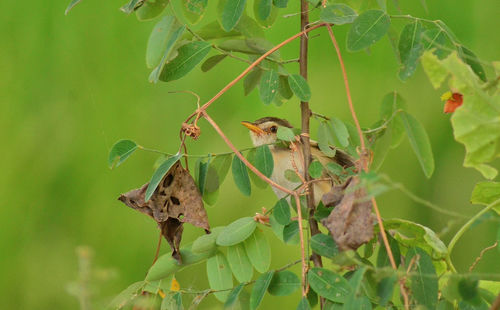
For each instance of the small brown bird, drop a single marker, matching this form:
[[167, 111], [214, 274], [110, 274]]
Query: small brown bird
[[264, 131]]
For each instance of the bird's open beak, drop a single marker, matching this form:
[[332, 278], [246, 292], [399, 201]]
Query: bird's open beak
[[252, 127]]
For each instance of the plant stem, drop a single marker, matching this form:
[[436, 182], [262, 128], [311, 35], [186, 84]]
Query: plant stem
[[305, 118], [464, 228]]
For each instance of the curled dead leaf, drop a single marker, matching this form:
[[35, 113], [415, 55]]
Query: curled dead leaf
[[350, 222], [175, 201]]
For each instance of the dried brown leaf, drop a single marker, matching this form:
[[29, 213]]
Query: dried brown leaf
[[350, 222], [175, 201]]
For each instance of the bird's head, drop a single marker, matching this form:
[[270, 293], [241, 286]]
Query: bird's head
[[263, 131]]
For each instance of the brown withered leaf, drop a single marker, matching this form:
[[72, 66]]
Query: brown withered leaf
[[175, 201], [350, 222]]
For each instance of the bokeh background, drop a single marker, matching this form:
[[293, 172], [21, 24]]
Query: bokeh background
[[70, 86]]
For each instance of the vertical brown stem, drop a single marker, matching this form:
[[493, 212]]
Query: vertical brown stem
[[305, 116]]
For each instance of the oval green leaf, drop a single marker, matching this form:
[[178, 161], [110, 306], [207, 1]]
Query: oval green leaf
[[263, 8], [284, 283], [150, 9], [211, 62], [159, 40], [120, 151], [240, 176], [258, 251], [285, 134], [166, 265], [423, 281], [233, 296], [259, 289], [304, 304], [338, 14], [256, 180], [315, 169], [219, 276], [236, 232], [420, 143], [269, 86], [290, 231], [239, 262], [367, 29], [299, 87], [231, 14], [410, 48], [189, 56], [158, 175], [328, 284], [252, 80], [324, 245], [281, 212], [264, 160], [206, 243]]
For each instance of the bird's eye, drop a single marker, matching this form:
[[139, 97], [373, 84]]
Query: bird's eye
[[273, 129]]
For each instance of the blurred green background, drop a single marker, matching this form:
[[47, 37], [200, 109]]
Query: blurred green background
[[70, 86]]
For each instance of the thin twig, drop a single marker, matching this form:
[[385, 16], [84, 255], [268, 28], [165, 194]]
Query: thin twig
[[481, 255], [302, 247], [364, 164]]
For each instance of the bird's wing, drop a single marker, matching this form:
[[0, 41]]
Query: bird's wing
[[341, 157]]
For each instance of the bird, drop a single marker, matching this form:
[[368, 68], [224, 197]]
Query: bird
[[264, 132]]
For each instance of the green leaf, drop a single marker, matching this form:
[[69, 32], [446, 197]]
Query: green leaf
[[173, 34], [420, 142], [150, 9], [290, 231], [258, 251], [280, 3], [240, 176], [284, 88], [264, 160], [423, 281], [239, 262], [304, 304], [385, 289], [231, 14], [281, 212], [367, 29], [166, 265], [383, 257], [189, 56], [219, 276], [328, 284], [324, 139], [292, 176], [299, 87], [161, 40], [233, 296], [158, 175], [211, 62], [252, 80], [338, 14], [236, 232], [285, 134], [249, 28], [392, 103], [194, 9], [206, 243], [120, 151], [315, 169], [410, 234], [355, 281], [486, 193], [256, 180], [410, 48], [324, 245], [339, 132], [263, 8], [435, 39], [269, 86], [471, 59], [71, 5], [259, 289], [335, 168], [128, 294], [284, 283], [213, 30], [321, 213]]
